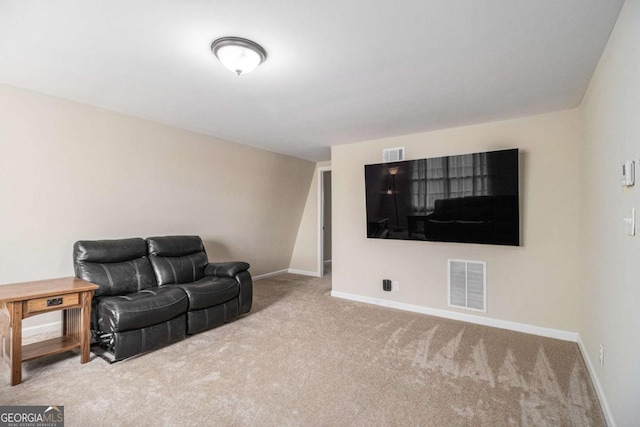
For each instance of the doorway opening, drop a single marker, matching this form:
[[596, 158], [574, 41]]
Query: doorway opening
[[324, 221]]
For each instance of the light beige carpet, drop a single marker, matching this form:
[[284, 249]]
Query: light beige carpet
[[302, 357]]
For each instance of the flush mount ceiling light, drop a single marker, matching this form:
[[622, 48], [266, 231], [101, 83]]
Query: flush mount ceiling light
[[239, 55]]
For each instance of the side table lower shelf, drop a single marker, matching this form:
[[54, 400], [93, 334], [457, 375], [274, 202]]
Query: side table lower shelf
[[49, 347]]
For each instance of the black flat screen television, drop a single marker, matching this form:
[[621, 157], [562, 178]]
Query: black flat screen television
[[468, 198]]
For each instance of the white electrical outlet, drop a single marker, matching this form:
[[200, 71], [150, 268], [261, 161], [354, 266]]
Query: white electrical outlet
[[601, 355], [395, 286]]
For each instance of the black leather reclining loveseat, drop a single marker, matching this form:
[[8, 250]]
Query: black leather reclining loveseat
[[154, 292]]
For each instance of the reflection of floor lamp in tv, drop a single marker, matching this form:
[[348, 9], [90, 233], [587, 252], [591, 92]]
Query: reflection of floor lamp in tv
[[393, 171]]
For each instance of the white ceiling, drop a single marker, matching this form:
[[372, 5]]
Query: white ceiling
[[338, 71]]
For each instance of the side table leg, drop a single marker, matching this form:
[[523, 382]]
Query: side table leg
[[15, 311], [5, 333], [84, 332]]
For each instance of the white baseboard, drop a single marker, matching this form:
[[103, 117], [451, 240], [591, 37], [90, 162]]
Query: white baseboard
[[606, 409], [41, 329], [267, 275], [486, 321], [304, 272], [285, 271]]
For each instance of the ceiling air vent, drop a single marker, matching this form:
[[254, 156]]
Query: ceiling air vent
[[467, 284], [393, 154]]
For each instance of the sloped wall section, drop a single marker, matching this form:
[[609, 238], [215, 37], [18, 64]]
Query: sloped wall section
[[70, 171]]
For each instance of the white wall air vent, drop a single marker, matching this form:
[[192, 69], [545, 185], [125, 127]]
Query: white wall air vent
[[467, 284], [392, 154]]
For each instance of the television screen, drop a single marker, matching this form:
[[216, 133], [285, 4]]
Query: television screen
[[468, 198]]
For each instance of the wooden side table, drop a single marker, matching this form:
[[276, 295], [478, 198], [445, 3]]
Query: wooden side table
[[22, 300]]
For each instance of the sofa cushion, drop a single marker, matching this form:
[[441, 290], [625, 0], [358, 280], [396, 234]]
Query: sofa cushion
[[140, 309], [177, 259], [210, 291], [116, 266]]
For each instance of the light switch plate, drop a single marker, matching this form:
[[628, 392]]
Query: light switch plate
[[630, 222]]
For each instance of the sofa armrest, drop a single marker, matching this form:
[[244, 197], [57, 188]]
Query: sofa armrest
[[236, 270], [225, 269]]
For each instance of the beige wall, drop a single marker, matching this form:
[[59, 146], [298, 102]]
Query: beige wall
[[305, 252], [611, 260], [535, 284], [69, 171]]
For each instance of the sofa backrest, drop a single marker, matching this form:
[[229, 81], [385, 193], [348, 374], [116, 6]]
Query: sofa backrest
[[177, 259], [118, 267]]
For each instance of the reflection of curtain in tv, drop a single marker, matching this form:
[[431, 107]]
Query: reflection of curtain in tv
[[448, 177]]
